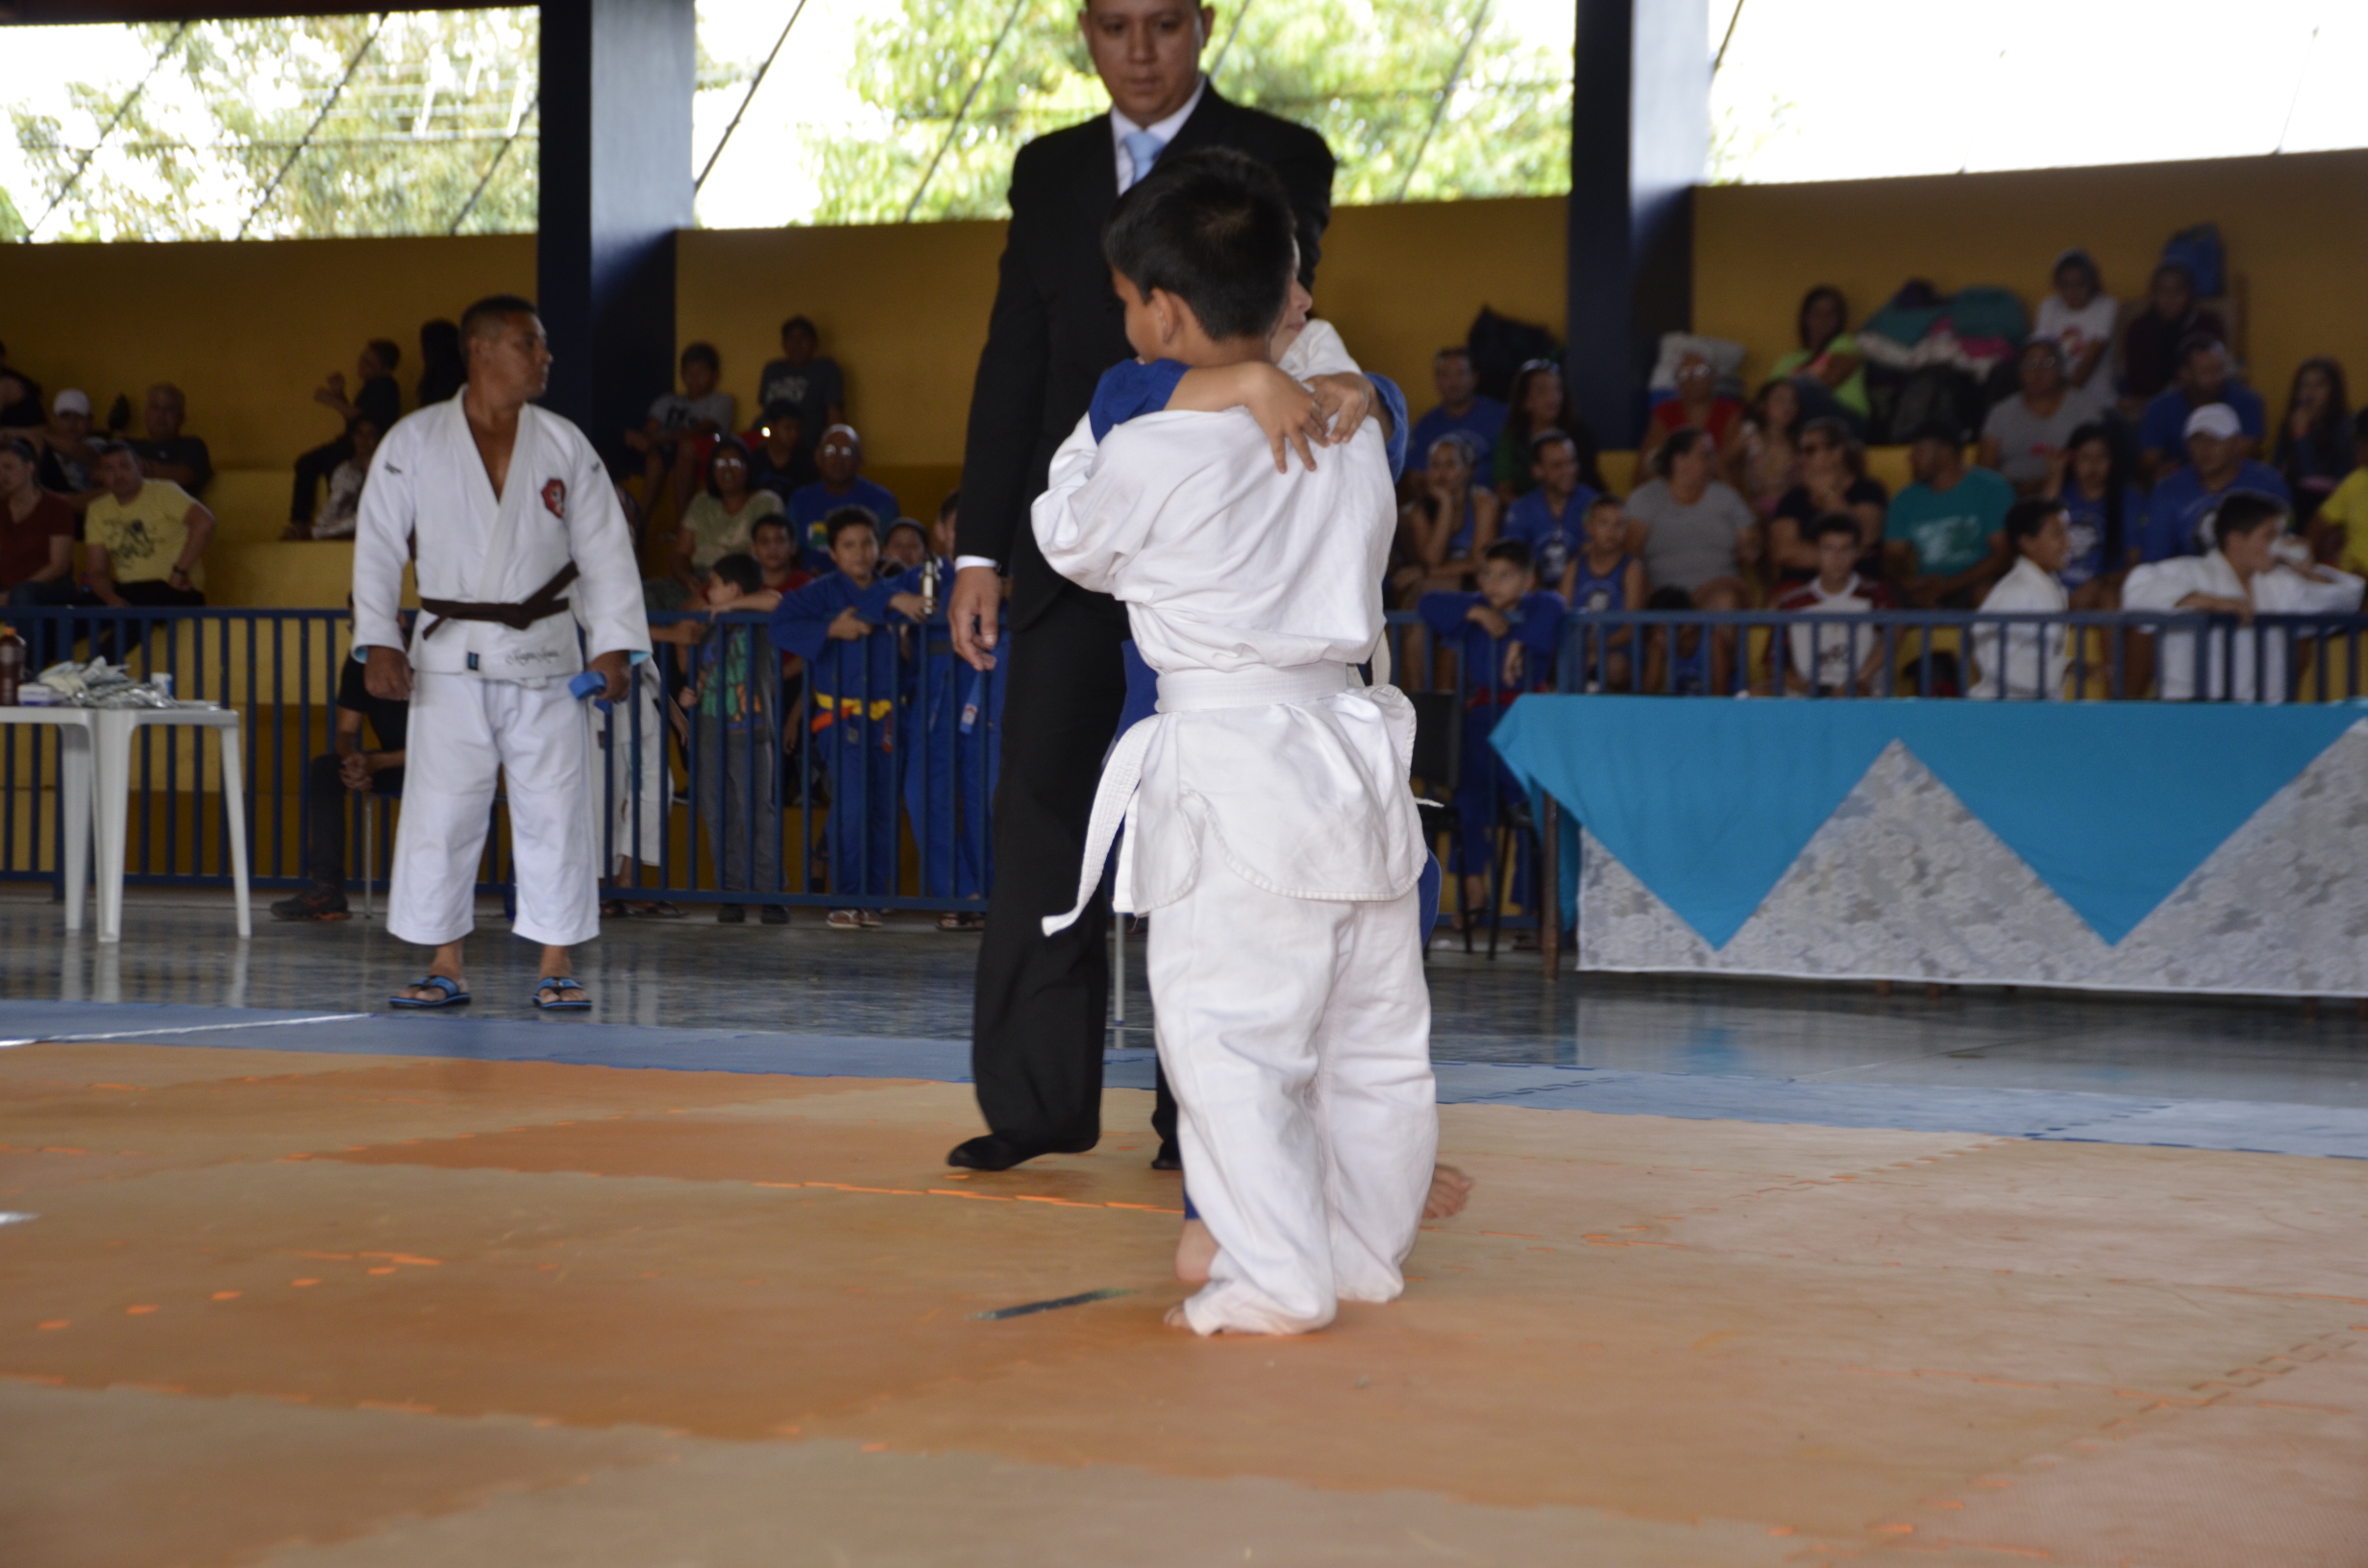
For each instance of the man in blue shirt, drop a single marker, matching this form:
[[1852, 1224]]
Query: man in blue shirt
[[1461, 408], [1551, 519], [2203, 380], [2177, 511], [839, 461]]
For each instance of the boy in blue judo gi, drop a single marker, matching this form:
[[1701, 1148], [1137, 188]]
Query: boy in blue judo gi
[[954, 738], [851, 681], [1506, 637]]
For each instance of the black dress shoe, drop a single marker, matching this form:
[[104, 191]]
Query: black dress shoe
[[1168, 1157], [996, 1151]]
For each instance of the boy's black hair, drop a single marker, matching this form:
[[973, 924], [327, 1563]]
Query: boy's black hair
[[741, 570], [1670, 598], [1214, 228], [727, 446], [388, 350], [1940, 428], [1515, 551], [2242, 513], [2028, 516], [1550, 437], [844, 518], [800, 324], [771, 519], [484, 318], [946, 508], [1602, 502], [704, 354], [1844, 523], [912, 522]]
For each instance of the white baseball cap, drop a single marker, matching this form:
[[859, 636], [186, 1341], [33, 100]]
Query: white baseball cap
[[71, 402], [2216, 419]]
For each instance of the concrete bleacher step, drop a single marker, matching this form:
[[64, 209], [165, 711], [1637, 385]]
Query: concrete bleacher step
[[250, 505]]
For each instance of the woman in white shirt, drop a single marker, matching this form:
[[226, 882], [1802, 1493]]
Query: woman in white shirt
[[2029, 656], [2081, 316], [2243, 577]]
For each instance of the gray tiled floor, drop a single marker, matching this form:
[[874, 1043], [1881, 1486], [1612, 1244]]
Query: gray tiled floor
[[913, 981]]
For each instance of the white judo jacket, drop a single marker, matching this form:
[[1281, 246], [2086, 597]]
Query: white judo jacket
[[1252, 593], [2229, 661], [555, 506]]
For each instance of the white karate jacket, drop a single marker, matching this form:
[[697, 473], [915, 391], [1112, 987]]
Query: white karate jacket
[[428, 482], [2160, 585], [1226, 566], [2016, 652]]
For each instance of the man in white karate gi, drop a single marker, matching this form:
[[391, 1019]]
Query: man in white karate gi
[[1267, 813], [519, 541]]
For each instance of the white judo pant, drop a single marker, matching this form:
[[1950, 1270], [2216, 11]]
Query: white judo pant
[[1295, 1034], [641, 812], [464, 731]]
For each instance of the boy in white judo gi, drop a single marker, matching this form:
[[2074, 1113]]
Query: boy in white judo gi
[[2256, 567], [519, 541], [2027, 663], [1267, 817]]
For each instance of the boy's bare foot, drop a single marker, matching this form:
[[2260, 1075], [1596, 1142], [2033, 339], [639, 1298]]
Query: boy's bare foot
[[1175, 1318], [1450, 1190], [1194, 1251]]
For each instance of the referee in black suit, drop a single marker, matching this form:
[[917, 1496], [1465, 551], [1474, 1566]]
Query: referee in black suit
[[1043, 1001]]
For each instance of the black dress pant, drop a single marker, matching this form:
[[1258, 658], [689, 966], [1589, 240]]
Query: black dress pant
[[328, 801], [1043, 1002], [312, 471]]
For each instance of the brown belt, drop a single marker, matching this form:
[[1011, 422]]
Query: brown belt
[[540, 605]]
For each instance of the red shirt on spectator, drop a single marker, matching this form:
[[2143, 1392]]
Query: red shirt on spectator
[[1670, 417], [24, 544]]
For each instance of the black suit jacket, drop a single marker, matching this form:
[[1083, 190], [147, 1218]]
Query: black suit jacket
[[1057, 323]]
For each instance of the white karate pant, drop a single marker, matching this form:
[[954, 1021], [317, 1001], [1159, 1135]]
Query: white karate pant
[[1296, 1033], [463, 729], [656, 787]]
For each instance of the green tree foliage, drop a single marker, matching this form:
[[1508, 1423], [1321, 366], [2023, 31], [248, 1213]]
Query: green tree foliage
[[956, 85], [419, 123]]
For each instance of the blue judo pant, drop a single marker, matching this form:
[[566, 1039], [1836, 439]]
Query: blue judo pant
[[952, 749], [855, 738]]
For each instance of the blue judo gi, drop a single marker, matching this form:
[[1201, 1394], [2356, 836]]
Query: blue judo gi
[[851, 691], [1537, 627], [953, 728]]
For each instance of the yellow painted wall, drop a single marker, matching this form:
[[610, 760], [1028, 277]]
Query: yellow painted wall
[[2295, 226]]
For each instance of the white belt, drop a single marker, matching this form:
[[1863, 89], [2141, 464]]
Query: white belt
[[1183, 691]]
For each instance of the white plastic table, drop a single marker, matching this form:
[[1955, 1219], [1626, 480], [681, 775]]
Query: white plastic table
[[75, 727], [113, 728]]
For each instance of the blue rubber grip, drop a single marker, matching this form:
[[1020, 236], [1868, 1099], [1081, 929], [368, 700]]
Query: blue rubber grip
[[585, 684]]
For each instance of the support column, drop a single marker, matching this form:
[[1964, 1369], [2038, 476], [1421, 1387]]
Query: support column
[[1639, 133], [617, 78]]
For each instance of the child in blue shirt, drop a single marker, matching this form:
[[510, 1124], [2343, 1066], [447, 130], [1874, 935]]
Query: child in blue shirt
[[1550, 519], [1506, 636], [851, 689], [954, 742]]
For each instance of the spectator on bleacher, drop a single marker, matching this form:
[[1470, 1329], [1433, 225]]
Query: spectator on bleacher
[[1697, 406], [720, 519], [774, 544], [2150, 344], [2314, 440], [2203, 380], [348, 769], [2030, 660], [144, 539], [1823, 660], [1698, 535], [736, 744], [2339, 533], [778, 458], [69, 458], [2181, 506], [1541, 401], [1828, 357], [21, 396], [443, 366], [1944, 538], [339, 513], [376, 395], [1461, 409], [1453, 517], [1605, 577], [2025, 432], [682, 431], [2105, 516], [1833, 479], [1551, 519], [905, 548], [1505, 636], [2080, 317], [839, 460], [37, 532], [1687, 674], [2241, 577], [803, 382], [1764, 460], [166, 453]]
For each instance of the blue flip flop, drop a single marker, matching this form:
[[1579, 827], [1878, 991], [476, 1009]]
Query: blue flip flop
[[454, 995], [546, 1000]]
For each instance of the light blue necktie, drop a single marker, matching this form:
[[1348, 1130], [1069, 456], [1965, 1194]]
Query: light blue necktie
[[1142, 150]]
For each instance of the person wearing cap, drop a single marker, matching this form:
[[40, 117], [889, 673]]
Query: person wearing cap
[[67, 457], [2204, 379], [144, 539], [2080, 317], [2217, 465], [2025, 433], [840, 460], [1943, 538]]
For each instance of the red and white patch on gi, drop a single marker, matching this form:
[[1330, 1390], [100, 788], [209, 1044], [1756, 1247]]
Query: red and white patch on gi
[[555, 499]]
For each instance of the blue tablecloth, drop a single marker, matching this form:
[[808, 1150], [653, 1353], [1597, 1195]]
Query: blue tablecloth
[[2112, 805]]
